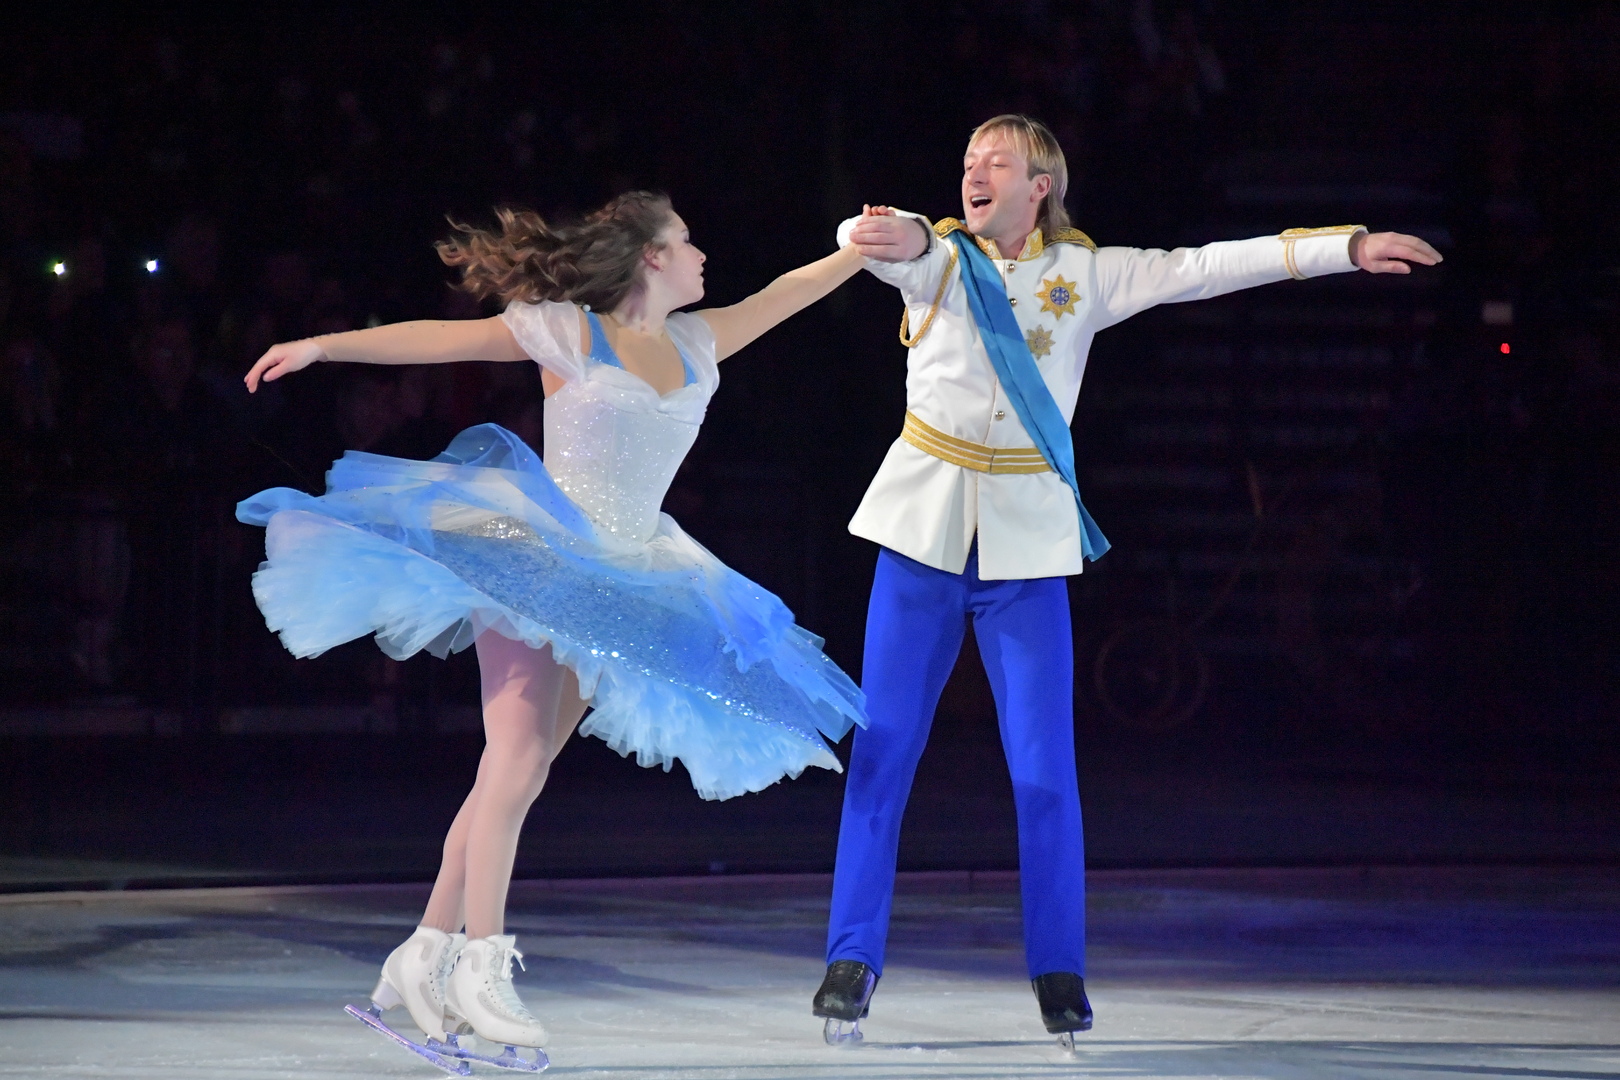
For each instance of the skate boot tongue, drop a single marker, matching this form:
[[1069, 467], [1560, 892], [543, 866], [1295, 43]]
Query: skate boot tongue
[[482, 994], [506, 951], [447, 964]]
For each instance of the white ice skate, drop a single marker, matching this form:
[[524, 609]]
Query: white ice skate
[[479, 993], [414, 976]]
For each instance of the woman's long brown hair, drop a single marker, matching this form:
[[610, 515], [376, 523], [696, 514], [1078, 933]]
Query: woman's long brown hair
[[596, 262]]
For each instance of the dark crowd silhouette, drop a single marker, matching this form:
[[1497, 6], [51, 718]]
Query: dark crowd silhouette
[[176, 196]]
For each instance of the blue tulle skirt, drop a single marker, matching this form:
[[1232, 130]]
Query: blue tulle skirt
[[681, 657]]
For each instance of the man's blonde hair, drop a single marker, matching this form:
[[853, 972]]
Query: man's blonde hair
[[1035, 141]]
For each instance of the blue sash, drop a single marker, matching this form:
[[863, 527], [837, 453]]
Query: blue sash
[[1021, 378]]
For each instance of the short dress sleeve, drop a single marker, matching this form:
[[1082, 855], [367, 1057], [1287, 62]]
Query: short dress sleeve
[[549, 333], [695, 338]]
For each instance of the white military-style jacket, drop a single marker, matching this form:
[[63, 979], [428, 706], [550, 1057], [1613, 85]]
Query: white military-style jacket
[[1063, 290]]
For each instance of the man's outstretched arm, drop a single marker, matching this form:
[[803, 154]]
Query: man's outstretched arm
[[1130, 280]]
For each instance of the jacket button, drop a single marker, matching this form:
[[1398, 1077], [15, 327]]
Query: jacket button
[[1011, 267], [1013, 300], [1000, 415]]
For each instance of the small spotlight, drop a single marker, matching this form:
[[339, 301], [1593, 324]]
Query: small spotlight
[[1506, 348], [151, 266], [59, 269]]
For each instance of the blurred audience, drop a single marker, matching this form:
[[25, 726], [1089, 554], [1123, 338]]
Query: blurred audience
[[214, 190]]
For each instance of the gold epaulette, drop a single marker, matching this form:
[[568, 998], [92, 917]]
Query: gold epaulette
[[1071, 236], [945, 226]]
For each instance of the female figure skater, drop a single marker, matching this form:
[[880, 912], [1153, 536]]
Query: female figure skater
[[574, 588]]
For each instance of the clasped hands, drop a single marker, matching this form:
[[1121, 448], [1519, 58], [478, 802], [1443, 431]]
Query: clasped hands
[[883, 235]]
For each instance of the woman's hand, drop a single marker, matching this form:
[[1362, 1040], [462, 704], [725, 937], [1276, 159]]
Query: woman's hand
[[283, 359]]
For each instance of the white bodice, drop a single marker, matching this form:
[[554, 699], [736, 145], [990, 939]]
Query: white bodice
[[613, 443]]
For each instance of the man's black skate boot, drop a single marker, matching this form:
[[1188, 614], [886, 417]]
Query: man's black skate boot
[[1064, 1008], [845, 997]]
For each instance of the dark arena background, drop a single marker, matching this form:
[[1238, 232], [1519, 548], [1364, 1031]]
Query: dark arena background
[[1346, 687]]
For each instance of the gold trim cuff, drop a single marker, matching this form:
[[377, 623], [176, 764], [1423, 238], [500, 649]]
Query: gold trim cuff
[[1329, 230]]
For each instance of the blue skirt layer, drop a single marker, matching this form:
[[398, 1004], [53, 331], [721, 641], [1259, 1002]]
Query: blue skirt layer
[[681, 657]]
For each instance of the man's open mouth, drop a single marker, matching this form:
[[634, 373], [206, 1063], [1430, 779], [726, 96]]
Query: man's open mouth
[[979, 201]]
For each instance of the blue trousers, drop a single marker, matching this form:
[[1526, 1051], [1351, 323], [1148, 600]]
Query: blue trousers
[[914, 628]]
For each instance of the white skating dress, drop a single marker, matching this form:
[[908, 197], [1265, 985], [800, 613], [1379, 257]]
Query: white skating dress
[[681, 657]]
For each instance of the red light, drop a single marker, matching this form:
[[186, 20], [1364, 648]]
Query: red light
[[1506, 348]]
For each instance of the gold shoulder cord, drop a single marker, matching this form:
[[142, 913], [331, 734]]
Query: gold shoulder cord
[[939, 296]]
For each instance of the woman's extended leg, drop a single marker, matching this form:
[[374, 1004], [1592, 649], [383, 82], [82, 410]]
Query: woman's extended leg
[[531, 706], [444, 908]]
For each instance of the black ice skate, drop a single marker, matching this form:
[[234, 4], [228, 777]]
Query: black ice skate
[[1064, 1008], [845, 997]]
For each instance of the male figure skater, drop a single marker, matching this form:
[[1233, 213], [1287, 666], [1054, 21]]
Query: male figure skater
[[978, 514]]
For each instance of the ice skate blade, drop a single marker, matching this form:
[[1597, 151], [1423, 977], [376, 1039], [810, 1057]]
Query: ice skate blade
[[372, 1018], [1066, 1041], [507, 1059], [837, 1035]]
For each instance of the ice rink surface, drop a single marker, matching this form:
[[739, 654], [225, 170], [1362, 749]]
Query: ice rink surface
[[1384, 973]]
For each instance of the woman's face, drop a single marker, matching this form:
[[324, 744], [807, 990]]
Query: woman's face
[[679, 264]]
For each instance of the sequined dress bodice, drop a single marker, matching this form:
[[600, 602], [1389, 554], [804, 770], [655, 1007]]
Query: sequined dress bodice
[[613, 443]]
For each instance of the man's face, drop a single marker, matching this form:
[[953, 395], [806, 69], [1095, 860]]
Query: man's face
[[999, 197]]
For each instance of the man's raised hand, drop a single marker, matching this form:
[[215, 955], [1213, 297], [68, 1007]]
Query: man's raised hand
[[283, 359], [1390, 252], [883, 235]]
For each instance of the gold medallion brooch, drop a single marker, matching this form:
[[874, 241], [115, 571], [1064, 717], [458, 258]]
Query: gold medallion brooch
[[1058, 296]]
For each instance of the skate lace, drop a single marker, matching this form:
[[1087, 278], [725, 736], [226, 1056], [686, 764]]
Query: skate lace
[[505, 993], [441, 971]]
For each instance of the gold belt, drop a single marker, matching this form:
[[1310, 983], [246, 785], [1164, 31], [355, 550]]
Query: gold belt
[[972, 455]]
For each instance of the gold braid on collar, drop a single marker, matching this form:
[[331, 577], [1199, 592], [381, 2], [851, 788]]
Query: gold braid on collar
[[945, 226]]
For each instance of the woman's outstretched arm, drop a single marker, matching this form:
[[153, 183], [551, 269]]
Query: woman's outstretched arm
[[737, 325], [422, 342]]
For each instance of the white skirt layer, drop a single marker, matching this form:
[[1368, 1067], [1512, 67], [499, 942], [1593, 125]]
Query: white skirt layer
[[682, 658]]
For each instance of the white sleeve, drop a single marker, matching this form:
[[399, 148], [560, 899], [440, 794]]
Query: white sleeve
[[694, 336], [912, 278], [1130, 280], [549, 333]]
